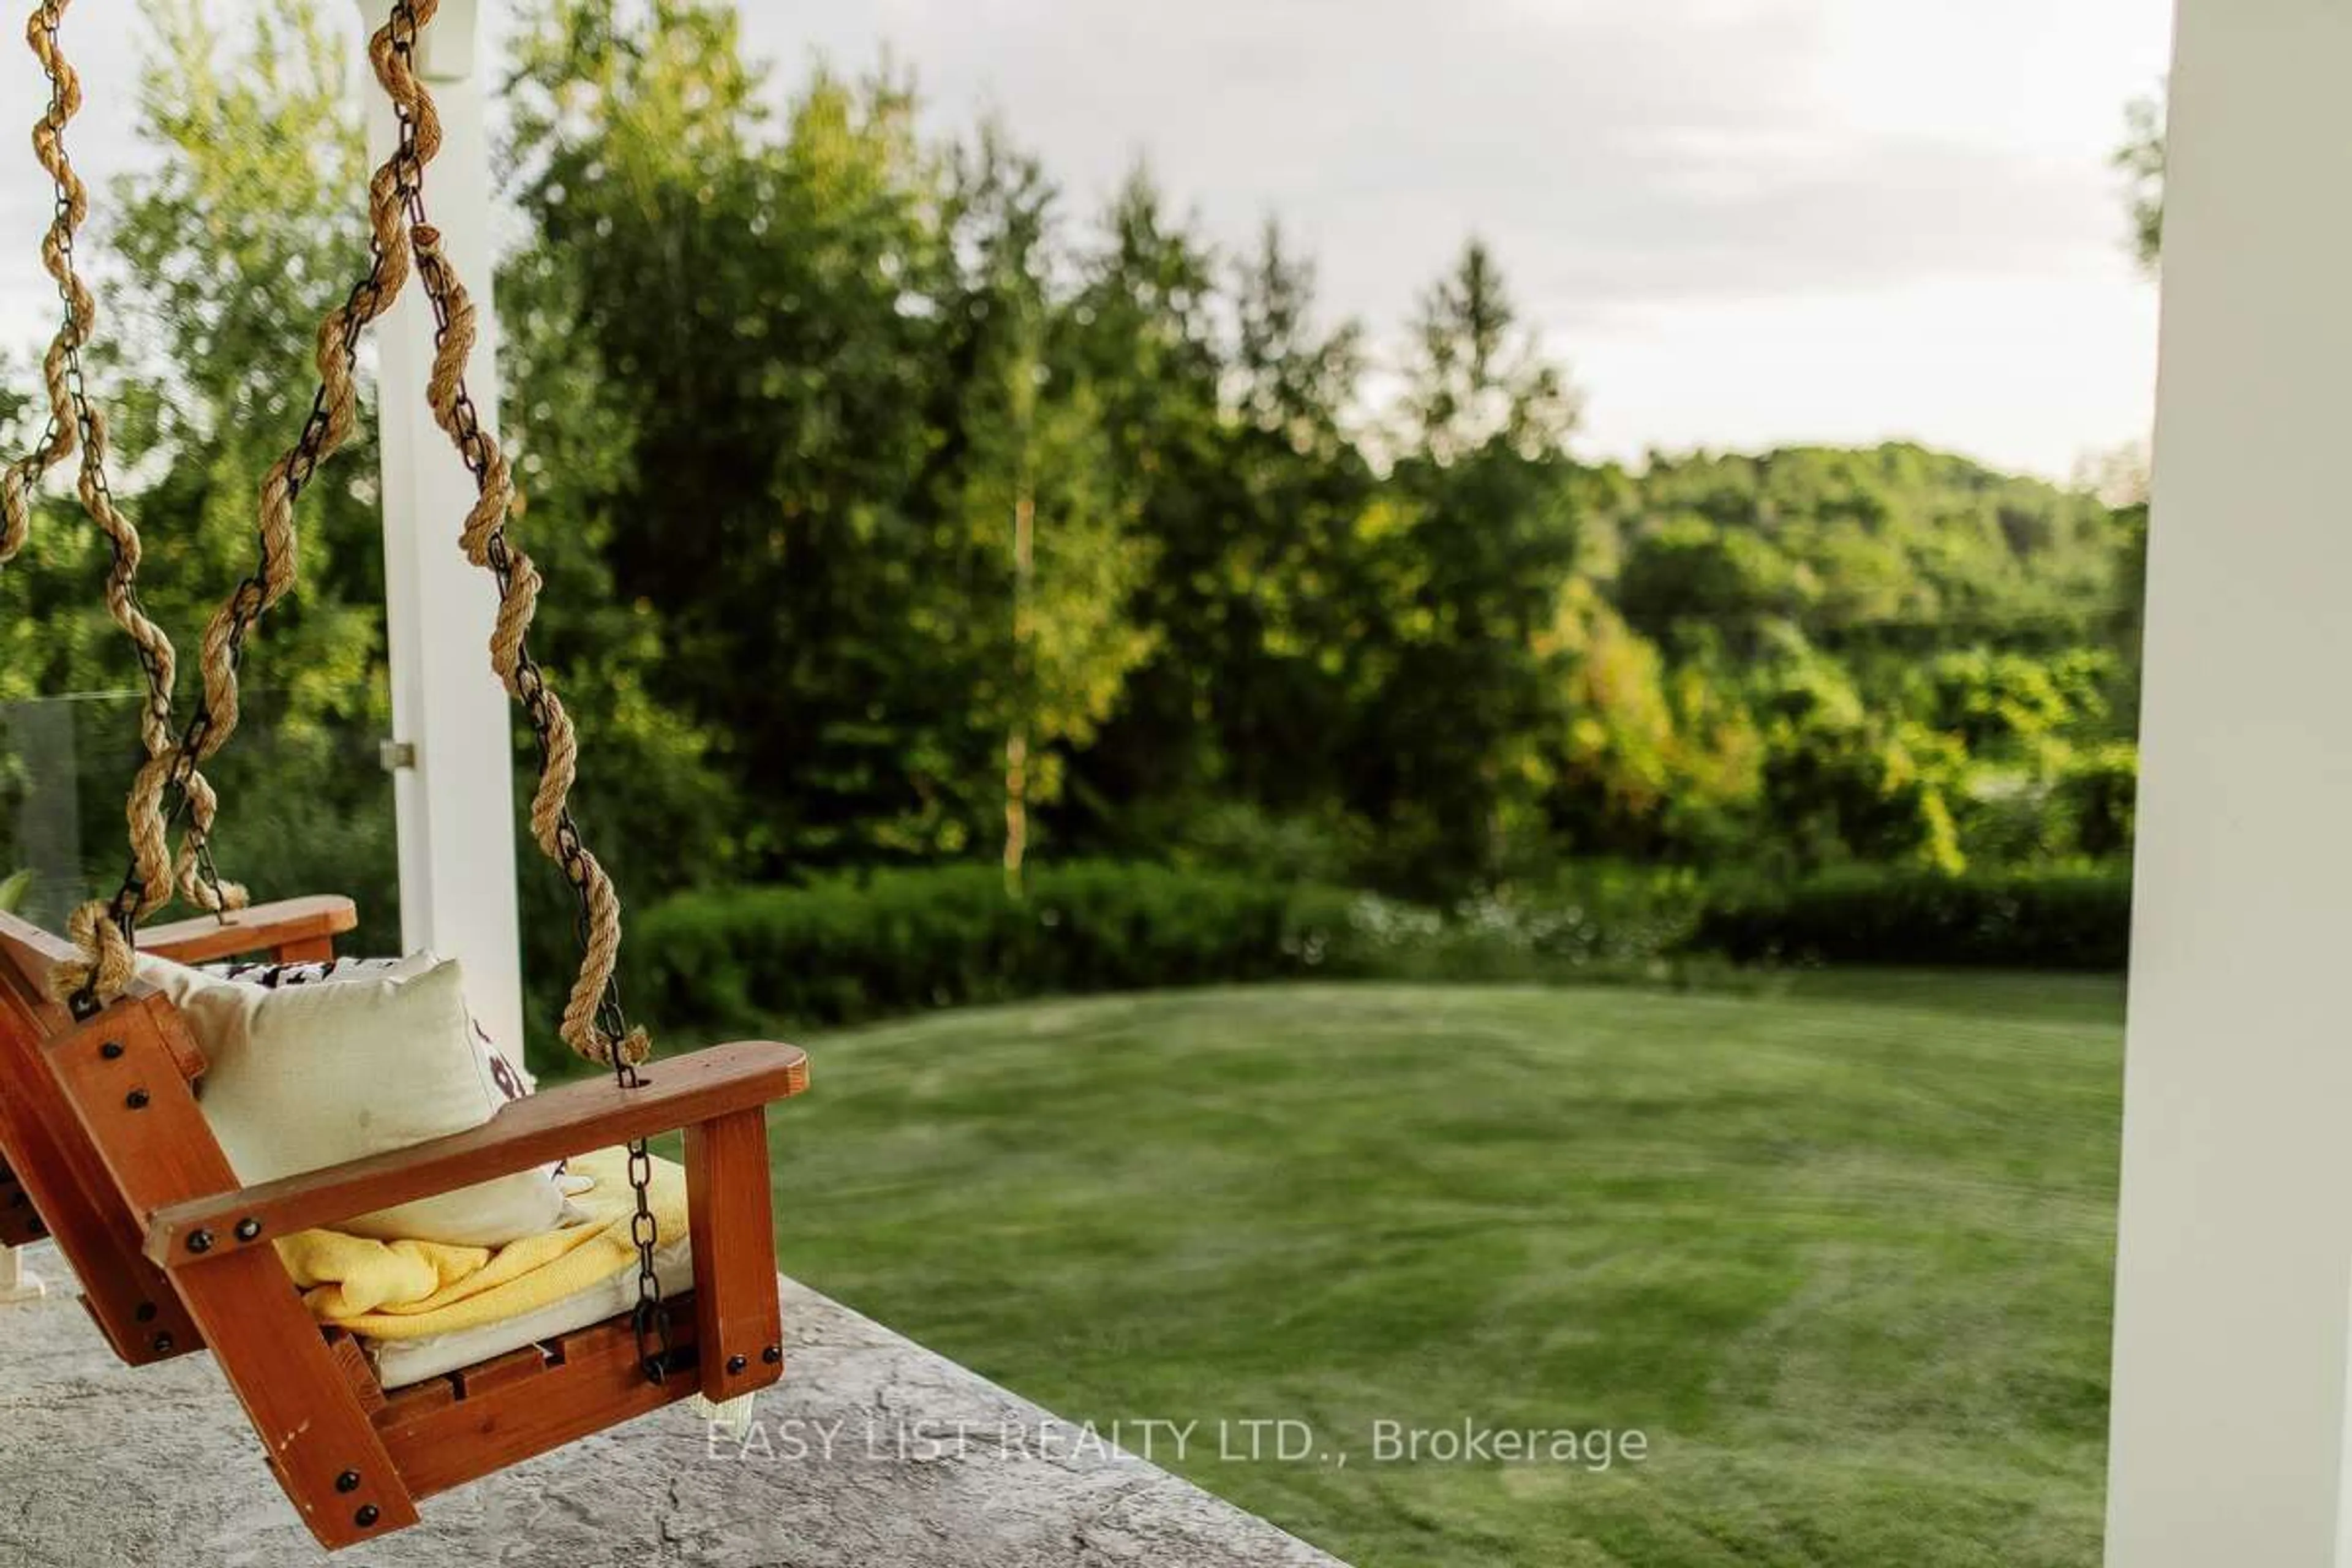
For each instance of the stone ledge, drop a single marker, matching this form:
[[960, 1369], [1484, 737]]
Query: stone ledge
[[102, 1465]]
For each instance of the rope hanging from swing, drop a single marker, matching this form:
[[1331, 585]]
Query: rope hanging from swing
[[401, 239], [74, 421]]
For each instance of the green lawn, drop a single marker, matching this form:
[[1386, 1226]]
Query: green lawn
[[1839, 1253]]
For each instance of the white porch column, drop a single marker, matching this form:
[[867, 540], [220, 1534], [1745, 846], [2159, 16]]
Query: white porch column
[[456, 798], [2234, 1286]]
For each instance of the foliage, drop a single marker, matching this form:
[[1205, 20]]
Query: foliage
[[234, 245], [1480, 378], [2098, 790], [2053, 918], [846, 947], [896, 512], [2140, 161], [1250, 841], [1591, 920], [1034, 488]]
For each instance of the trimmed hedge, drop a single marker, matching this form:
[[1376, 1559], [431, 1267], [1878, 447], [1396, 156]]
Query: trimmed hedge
[[848, 947], [2062, 918]]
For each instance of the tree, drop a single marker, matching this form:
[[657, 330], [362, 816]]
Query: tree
[[888, 515], [1476, 377], [1844, 781], [1141, 331], [1285, 636], [1478, 539], [2140, 160], [1033, 482], [762, 298]]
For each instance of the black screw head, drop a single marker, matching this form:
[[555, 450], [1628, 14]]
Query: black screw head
[[736, 1365], [37, 1227], [163, 1344], [146, 1312], [367, 1516], [111, 1050], [200, 1241], [136, 1100], [773, 1356], [349, 1482], [246, 1229]]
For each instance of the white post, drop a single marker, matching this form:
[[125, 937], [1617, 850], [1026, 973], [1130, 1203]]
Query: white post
[[2233, 1311], [16, 1285], [451, 757]]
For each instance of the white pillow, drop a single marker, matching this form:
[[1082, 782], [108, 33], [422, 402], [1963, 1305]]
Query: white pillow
[[303, 1076], [514, 1079]]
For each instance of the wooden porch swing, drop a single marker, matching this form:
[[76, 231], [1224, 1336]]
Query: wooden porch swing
[[102, 1145]]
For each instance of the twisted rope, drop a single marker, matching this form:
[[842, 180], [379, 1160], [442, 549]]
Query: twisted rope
[[590, 1024], [56, 244], [101, 973], [56, 442], [488, 545], [334, 416], [75, 420]]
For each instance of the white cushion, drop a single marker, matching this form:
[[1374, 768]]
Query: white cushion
[[303, 1076]]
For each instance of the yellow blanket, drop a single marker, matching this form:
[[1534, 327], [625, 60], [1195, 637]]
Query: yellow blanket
[[413, 1290]]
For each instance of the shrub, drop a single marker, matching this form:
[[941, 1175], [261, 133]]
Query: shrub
[[2100, 792], [2047, 918], [1587, 917], [848, 947], [1240, 838]]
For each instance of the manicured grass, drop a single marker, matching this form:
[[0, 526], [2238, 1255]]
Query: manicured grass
[[1841, 1251]]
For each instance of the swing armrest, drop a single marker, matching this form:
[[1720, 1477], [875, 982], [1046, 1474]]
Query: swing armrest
[[554, 1124], [292, 931]]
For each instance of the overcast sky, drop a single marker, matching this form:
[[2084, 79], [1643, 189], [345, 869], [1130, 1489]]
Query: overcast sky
[[1740, 221]]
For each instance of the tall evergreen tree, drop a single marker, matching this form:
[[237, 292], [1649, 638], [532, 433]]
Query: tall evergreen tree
[[1483, 540], [1034, 485]]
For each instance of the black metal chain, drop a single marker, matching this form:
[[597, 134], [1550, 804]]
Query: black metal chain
[[651, 1318]]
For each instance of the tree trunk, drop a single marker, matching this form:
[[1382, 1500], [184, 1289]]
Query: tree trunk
[[1016, 743]]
